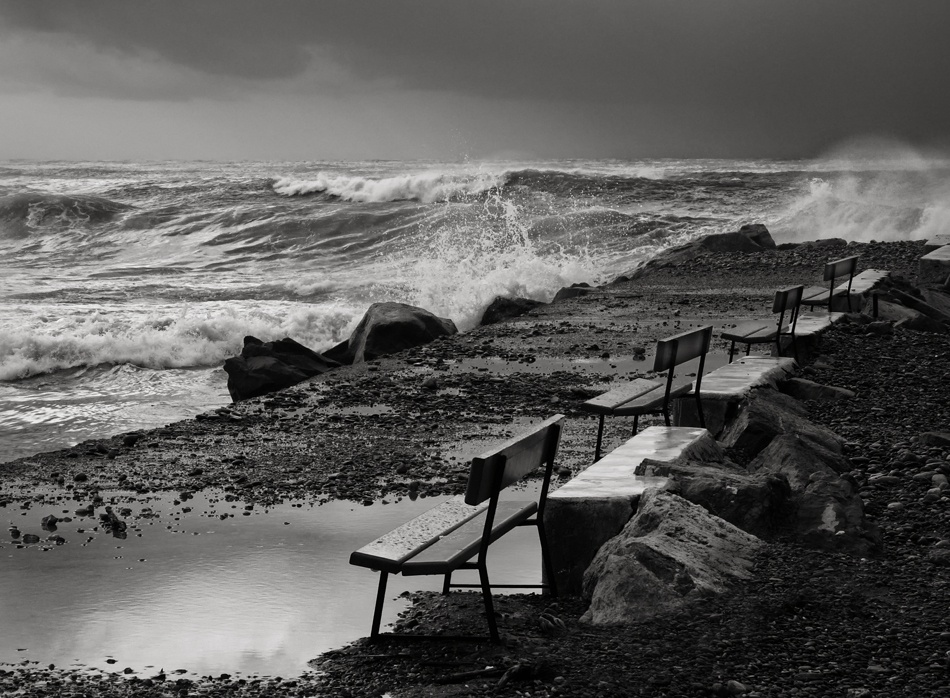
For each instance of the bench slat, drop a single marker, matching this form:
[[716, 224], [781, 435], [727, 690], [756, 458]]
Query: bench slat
[[651, 401], [388, 552], [446, 554], [680, 348], [751, 330], [519, 456], [609, 401]]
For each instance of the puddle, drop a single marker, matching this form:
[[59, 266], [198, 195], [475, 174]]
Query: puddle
[[257, 592]]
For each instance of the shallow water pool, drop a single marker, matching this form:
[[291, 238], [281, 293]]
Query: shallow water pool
[[260, 591]]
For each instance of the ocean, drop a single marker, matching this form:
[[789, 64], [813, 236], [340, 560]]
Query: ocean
[[125, 285]]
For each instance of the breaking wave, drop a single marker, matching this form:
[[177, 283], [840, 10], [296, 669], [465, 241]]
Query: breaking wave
[[427, 187]]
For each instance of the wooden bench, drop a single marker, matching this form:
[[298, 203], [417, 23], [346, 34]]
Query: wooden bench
[[763, 332], [644, 396], [819, 295], [456, 534]]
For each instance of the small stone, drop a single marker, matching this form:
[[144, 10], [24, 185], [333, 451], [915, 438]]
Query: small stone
[[80, 477], [30, 538], [895, 506], [734, 688]]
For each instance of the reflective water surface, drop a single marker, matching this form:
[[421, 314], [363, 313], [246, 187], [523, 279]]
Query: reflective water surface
[[255, 592]]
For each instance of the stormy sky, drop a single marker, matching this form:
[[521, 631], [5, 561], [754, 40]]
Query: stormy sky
[[453, 79]]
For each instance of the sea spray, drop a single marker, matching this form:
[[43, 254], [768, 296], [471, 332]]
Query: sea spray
[[486, 249], [427, 187]]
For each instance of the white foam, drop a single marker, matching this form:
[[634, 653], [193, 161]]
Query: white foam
[[174, 336], [426, 187]]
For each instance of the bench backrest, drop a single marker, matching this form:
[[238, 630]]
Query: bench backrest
[[681, 348], [788, 299], [840, 267], [514, 459]]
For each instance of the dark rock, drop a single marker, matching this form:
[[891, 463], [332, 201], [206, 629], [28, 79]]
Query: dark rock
[[573, 291], [797, 459], [670, 554], [940, 439], [753, 237], [754, 503], [505, 308], [390, 327], [264, 367], [880, 328], [802, 389], [768, 414], [30, 538], [830, 516]]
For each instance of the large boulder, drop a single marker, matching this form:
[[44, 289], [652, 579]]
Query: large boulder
[[768, 414], [670, 554], [390, 327], [264, 367], [830, 516], [752, 237], [505, 308], [797, 459], [758, 504]]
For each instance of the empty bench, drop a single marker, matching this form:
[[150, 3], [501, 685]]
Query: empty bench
[[847, 296], [456, 534], [763, 332], [643, 396]]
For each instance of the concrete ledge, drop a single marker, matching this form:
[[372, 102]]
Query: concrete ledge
[[725, 388], [861, 287], [586, 512], [934, 267], [936, 241]]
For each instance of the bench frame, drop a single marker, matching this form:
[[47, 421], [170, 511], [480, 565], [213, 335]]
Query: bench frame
[[670, 353], [788, 300], [815, 295], [490, 473]]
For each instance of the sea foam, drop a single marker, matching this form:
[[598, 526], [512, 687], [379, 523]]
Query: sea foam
[[427, 187]]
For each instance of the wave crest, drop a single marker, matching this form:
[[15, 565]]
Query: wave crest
[[34, 210], [427, 187]]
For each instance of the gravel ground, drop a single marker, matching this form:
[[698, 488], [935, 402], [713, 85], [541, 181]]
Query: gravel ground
[[806, 624]]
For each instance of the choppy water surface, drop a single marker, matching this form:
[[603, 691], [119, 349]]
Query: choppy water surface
[[259, 591], [164, 268]]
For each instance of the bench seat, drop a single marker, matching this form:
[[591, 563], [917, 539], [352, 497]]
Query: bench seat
[[639, 389], [450, 551]]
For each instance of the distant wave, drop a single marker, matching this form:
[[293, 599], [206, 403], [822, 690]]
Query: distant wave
[[21, 212], [426, 187]]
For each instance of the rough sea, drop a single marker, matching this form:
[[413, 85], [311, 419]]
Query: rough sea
[[125, 285]]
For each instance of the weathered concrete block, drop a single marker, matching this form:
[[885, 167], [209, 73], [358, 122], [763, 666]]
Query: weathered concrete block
[[586, 512], [934, 267]]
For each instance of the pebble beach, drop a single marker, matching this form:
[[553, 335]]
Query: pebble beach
[[808, 623]]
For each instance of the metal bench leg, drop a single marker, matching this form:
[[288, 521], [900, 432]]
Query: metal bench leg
[[378, 613], [600, 438], [546, 558], [699, 409], [489, 606], [666, 417], [636, 423], [732, 350], [748, 348], [447, 584]]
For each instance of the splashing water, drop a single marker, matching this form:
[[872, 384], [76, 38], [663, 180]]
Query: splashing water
[[488, 250]]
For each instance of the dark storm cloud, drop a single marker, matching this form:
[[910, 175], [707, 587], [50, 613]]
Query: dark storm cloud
[[809, 71]]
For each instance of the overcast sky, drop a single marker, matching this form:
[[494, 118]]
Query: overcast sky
[[453, 79]]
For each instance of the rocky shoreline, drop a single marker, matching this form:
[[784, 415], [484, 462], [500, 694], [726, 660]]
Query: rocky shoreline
[[807, 623]]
